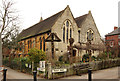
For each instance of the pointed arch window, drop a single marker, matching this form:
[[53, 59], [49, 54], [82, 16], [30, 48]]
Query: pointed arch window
[[44, 43], [64, 34], [28, 45], [90, 34], [67, 23], [24, 46], [40, 43], [67, 31], [33, 43], [78, 35], [67, 35], [70, 33]]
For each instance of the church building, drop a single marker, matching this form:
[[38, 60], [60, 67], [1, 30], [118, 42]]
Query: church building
[[65, 26]]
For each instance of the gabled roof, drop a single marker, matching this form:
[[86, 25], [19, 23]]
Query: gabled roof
[[40, 27], [115, 32], [45, 25], [80, 19]]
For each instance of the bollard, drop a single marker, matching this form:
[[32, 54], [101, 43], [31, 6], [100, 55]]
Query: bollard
[[89, 75], [4, 74], [34, 74]]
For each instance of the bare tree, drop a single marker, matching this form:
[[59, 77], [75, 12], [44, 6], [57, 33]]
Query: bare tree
[[8, 23], [8, 20]]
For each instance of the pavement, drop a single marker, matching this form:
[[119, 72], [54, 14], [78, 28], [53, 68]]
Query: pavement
[[111, 73], [13, 74], [1, 76]]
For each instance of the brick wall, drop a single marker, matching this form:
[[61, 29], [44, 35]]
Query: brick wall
[[112, 38]]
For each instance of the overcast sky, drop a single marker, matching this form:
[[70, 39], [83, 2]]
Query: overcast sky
[[105, 12]]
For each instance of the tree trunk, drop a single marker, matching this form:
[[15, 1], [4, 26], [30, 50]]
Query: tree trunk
[[0, 51]]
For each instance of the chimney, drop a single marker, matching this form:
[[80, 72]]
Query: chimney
[[115, 27]]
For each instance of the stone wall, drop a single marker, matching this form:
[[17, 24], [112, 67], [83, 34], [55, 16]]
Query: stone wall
[[90, 24], [58, 29], [74, 69]]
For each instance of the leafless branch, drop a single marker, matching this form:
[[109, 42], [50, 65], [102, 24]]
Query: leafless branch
[[8, 19]]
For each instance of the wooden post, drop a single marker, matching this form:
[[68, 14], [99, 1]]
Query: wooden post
[[52, 46], [52, 38], [49, 71]]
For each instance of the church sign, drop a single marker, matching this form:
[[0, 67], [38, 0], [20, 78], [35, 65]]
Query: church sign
[[59, 70]]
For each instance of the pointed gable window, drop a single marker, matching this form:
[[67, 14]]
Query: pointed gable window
[[67, 30], [78, 35], [67, 23], [90, 34], [64, 34], [67, 35]]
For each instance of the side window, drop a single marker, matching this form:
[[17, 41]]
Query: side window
[[64, 34], [78, 35], [40, 43], [90, 34], [44, 43], [70, 33]]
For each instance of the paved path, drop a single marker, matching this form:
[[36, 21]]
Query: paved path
[[111, 73], [13, 74], [0, 76]]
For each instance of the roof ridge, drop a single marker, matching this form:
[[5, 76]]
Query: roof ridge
[[54, 14], [114, 32], [43, 20], [40, 26], [81, 16]]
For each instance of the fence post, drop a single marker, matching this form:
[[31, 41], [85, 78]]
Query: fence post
[[49, 71], [34, 74], [89, 75], [4, 74]]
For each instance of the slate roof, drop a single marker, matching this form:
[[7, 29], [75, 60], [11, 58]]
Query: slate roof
[[115, 32], [80, 19], [40, 27], [46, 25]]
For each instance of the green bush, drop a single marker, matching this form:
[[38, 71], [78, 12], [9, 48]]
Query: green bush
[[85, 58], [36, 55], [102, 56], [6, 61], [94, 58]]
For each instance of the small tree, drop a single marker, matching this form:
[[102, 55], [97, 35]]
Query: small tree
[[36, 55]]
